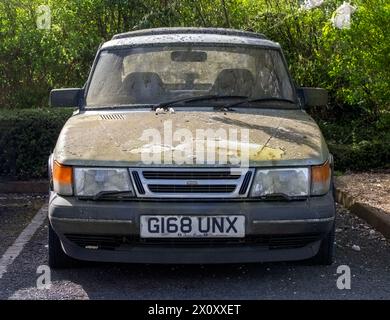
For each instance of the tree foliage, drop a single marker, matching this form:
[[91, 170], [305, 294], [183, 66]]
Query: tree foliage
[[353, 64]]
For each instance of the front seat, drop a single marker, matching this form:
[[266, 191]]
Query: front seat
[[143, 87], [235, 82]]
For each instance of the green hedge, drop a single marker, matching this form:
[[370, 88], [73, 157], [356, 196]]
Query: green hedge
[[28, 136], [365, 155], [357, 142]]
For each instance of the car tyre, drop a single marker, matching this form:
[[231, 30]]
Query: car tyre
[[58, 259], [326, 252]]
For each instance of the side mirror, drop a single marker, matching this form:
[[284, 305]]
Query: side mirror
[[65, 97], [313, 97]]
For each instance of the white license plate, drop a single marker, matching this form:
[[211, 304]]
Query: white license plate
[[192, 226]]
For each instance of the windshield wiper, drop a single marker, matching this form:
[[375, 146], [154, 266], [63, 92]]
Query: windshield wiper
[[265, 99], [196, 99], [103, 194]]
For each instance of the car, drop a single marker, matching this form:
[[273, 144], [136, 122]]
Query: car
[[190, 146]]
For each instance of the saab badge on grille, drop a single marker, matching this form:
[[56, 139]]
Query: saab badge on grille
[[192, 183]]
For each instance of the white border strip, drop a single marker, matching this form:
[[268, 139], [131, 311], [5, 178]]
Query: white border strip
[[16, 248]]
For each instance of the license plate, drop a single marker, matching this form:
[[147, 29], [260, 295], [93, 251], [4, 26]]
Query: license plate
[[192, 226]]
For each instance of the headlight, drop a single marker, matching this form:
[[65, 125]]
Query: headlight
[[292, 182], [90, 182]]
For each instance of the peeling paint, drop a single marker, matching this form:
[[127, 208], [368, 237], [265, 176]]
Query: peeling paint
[[222, 148], [276, 137], [267, 153], [153, 148]]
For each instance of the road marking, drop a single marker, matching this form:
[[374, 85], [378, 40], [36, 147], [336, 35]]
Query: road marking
[[16, 248]]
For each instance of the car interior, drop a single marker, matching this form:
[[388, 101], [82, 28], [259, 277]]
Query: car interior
[[148, 86]]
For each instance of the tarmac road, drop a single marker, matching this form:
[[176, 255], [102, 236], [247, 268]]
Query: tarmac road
[[370, 269]]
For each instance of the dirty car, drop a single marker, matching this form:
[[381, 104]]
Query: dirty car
[[190, 145]]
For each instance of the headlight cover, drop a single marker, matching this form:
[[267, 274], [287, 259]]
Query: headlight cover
[[291, 182], [62, 179], [90, 182], [320, 179]]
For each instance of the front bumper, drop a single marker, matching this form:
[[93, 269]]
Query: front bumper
[[288, 222]]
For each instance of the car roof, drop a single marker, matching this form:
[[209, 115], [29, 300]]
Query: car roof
[[159, 36], [181, 30]]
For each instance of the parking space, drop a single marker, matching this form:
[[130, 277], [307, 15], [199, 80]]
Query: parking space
[[362, 249]]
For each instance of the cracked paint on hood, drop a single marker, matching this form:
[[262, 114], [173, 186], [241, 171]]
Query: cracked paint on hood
[[276, 137]]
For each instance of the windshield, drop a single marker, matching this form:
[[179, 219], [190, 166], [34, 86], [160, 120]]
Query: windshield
[[157, 74]]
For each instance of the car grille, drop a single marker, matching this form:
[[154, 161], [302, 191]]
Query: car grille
[[191, 183], [272, 242], [224, 188], [189, 175]]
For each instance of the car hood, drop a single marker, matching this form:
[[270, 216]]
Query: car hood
[[121, 138]]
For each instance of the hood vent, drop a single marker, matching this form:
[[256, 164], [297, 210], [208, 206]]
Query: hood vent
[[112, 116]]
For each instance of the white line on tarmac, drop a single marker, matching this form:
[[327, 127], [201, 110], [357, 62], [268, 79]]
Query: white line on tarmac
[[13, 251]]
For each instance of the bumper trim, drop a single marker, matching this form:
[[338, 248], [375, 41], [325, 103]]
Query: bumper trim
[[330, 219], [91, 220], [207, 255]]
